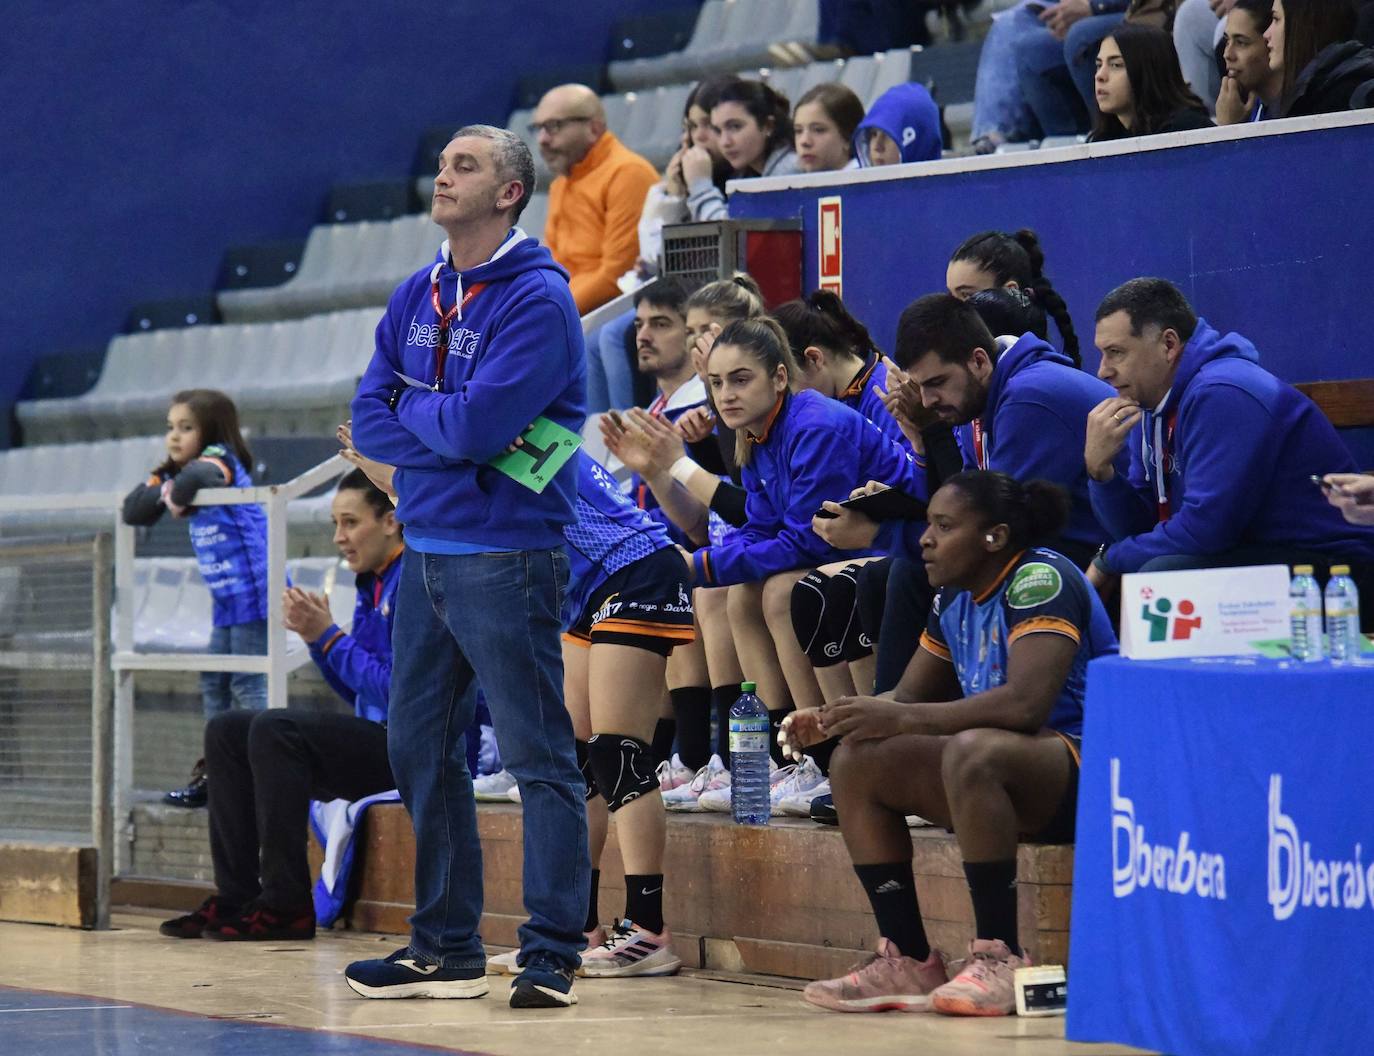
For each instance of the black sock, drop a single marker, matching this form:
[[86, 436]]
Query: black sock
[[774, 748], [644, 900], [722, 700], [665, 732], [822, 752], [593, 915], [891, 891], [992, 886], [692, 706]]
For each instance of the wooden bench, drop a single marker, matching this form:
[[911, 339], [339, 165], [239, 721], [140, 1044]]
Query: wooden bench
[[1347, 404], [776, 901]]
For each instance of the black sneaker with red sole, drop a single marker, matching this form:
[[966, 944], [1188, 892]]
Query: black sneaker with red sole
[[261, 923], [212, 912]]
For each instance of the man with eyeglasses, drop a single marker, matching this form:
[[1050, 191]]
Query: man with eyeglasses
[[597, 194]]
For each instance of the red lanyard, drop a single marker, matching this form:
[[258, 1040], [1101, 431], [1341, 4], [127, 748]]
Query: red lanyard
[[980, 456], [445, 318], [1164, 441]]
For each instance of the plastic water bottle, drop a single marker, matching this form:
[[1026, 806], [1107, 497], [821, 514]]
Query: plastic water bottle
[[1305, 608], [749, 731], [1342, 615]]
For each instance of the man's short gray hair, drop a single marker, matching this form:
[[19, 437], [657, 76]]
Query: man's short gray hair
[[512, 156]]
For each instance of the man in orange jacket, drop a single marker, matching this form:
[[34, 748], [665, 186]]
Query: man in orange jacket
[[597, 194]]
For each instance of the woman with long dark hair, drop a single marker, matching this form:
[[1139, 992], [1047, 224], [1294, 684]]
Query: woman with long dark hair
[[1140, 87], [1325, 70], [1251, 90], [753, 126]]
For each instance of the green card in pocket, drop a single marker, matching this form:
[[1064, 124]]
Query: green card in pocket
[[546, 447]]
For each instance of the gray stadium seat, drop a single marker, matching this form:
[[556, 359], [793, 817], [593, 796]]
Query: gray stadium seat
[[858, 74], [708, 34], [893, 68]]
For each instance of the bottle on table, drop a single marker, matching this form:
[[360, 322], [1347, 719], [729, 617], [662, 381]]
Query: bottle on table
[[1342, 615], [749, 770], [1305, 614]]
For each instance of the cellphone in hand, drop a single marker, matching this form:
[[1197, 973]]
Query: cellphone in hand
[[1326, 485], [1036, 7]]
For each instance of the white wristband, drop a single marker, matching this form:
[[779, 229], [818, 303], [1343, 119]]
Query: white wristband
[[682, 470]]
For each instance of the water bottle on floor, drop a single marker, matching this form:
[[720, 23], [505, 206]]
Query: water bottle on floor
[[1342, 615], [749, 732], [1305, 608]]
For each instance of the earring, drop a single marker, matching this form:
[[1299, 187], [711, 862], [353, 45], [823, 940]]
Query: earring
[[989, 538]]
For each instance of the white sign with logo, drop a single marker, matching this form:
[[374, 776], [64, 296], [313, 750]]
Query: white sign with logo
[[1203, 612]]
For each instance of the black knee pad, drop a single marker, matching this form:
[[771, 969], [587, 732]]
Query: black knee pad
[[624, 767], [842, 611], [584, 763], [810, 602]]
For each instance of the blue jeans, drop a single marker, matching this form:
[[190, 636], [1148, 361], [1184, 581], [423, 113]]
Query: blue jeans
[[1057, 76], [221, 690], [610, 378], [998, 105], [494, 617]]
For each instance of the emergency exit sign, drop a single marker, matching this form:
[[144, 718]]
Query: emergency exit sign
[[829, 242]]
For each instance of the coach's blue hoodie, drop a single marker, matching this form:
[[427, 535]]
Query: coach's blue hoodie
[[516, 353], [814, 449], [1237, 472]]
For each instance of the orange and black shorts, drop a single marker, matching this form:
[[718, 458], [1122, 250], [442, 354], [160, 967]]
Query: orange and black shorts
[[1062, 827], [647, 605]]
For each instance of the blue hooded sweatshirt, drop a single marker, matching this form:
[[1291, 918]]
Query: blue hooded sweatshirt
[[813, 449], [1236, 472], [357, 665], [909, 115], [516, 353], [1035, 427], [231, 547]]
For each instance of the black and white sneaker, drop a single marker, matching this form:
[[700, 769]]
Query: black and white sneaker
[[543, 984], [406, 974]]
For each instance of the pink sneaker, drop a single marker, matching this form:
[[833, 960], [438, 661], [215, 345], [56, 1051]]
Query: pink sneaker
[[631, 950], [887, 981], [986, 986]]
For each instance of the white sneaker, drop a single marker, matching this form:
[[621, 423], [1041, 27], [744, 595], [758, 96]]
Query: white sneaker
[[672, 774], [915, 821], [711, 776], [504, 963], [799, 804], [718, 800], [631, 950], [513, 793], [494, 788], [799, 783]]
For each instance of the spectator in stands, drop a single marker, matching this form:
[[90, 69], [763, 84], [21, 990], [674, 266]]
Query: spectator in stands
[[992, 259], [597, 194], [1325, 70], [823, 127], [1251, 89], [1199, 26], [797, 449], [981, 735], [753, 126], [475, 532], [1140, 89], [266, 766], [1220, 450], [1352, 494], [1035, 70], [666, 204], [205, 449], [902, 125]]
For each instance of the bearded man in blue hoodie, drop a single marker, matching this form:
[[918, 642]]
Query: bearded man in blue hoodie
[[1221, 451], [469, 353]]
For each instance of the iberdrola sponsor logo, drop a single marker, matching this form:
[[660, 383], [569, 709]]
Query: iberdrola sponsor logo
[[1296, 879], [1172, 867]]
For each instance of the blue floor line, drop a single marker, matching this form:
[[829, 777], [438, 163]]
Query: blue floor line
[[56, 1023]]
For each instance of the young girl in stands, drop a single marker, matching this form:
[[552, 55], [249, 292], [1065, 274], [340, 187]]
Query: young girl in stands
[[903, 125], [753, 125], [981, 735], [796, 449], [1251, 89], [823, 127], [205, 449], [1140, 87], [1325, 69], [1014, 262]]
